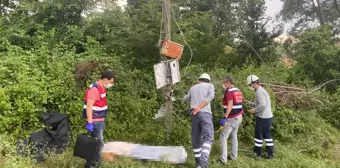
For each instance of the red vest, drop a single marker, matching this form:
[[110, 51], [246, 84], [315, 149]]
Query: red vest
[[237, 102], [99, 107]]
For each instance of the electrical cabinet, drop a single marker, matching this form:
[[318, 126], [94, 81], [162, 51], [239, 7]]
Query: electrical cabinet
[[167, 72], [172, 49]]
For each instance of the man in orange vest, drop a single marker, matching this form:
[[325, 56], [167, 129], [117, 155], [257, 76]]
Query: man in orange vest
[[95, 110]]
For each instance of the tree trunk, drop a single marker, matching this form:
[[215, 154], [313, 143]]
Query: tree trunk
[[336, 5], [319, 11]]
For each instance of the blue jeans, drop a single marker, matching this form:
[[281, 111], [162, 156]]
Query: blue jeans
[[98, 133]]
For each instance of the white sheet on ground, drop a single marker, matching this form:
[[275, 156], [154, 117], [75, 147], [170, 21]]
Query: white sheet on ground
[[171, 154]]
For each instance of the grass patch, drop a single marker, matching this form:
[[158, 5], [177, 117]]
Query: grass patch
[[307, 141], [286, 156]]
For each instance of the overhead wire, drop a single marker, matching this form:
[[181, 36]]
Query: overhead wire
[[183, 37], [249, 45]]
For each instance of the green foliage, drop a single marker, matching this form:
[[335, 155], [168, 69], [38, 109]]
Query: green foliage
[[314, 52], [50, 53], [143, 39], [198, 32], [110, 25], [303, 13], [200, 5]]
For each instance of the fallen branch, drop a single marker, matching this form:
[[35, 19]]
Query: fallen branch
[[302, 90], [324, 85], [281, 86]]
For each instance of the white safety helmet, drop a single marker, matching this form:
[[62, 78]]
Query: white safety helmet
[[252, 78], [205, 76]]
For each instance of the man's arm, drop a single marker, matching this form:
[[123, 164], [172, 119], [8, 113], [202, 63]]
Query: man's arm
[[262, 102], [204, 103], [229, 108], [89, 105], [211, 95], [252, 104], [225, 101]]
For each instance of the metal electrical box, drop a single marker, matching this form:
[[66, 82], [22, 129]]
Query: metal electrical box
[[167, 72], [172, 49]]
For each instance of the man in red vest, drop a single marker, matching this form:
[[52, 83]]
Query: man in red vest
[[233, 110], [95, 110]]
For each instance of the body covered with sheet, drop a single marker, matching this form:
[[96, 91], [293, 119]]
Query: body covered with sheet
[[170, 154]]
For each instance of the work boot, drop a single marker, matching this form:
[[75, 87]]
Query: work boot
[[269, 157], [198, 162], [92, 165], [220, 162], [258, 157], [229, 158]]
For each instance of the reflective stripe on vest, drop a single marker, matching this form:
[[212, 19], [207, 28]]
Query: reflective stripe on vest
[[234, 106], [96, 108]]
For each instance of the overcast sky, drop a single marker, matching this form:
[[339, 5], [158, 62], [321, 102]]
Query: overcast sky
[[273, 8]]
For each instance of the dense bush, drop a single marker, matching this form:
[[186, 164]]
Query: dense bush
[[50, 53]]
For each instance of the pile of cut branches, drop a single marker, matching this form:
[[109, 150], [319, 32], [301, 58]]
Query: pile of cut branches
[[292, 96]]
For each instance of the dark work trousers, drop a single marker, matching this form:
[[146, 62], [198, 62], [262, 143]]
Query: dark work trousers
[[98, 133], [262, 132], [202, 134]]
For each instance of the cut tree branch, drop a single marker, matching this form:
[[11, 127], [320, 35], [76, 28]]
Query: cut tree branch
[[324, 85], [280, 86]]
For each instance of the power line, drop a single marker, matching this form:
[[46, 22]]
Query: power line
[[184, 39]]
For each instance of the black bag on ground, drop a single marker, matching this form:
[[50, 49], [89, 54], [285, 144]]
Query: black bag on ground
[[87, 147], [56, 137]]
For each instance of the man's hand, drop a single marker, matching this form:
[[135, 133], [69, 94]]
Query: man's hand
[[90, 127], [195, 110], [252, 111], [223, 121], [249, 103]]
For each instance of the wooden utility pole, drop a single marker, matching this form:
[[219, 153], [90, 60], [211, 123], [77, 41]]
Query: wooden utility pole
[[166, 19], [168, 88]]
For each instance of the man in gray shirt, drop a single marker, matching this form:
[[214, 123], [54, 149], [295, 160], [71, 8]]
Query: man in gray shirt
[[200, 96], [264, 118]]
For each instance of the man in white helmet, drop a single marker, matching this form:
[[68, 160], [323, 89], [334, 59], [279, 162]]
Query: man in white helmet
[[264, 117], [200, 96]]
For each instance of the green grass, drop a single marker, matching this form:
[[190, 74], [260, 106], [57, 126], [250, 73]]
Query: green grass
[[286, 156], [306, 141]]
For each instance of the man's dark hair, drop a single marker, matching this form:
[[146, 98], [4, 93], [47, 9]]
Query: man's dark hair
[[203, 80], [229, 79], [108, 75]]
